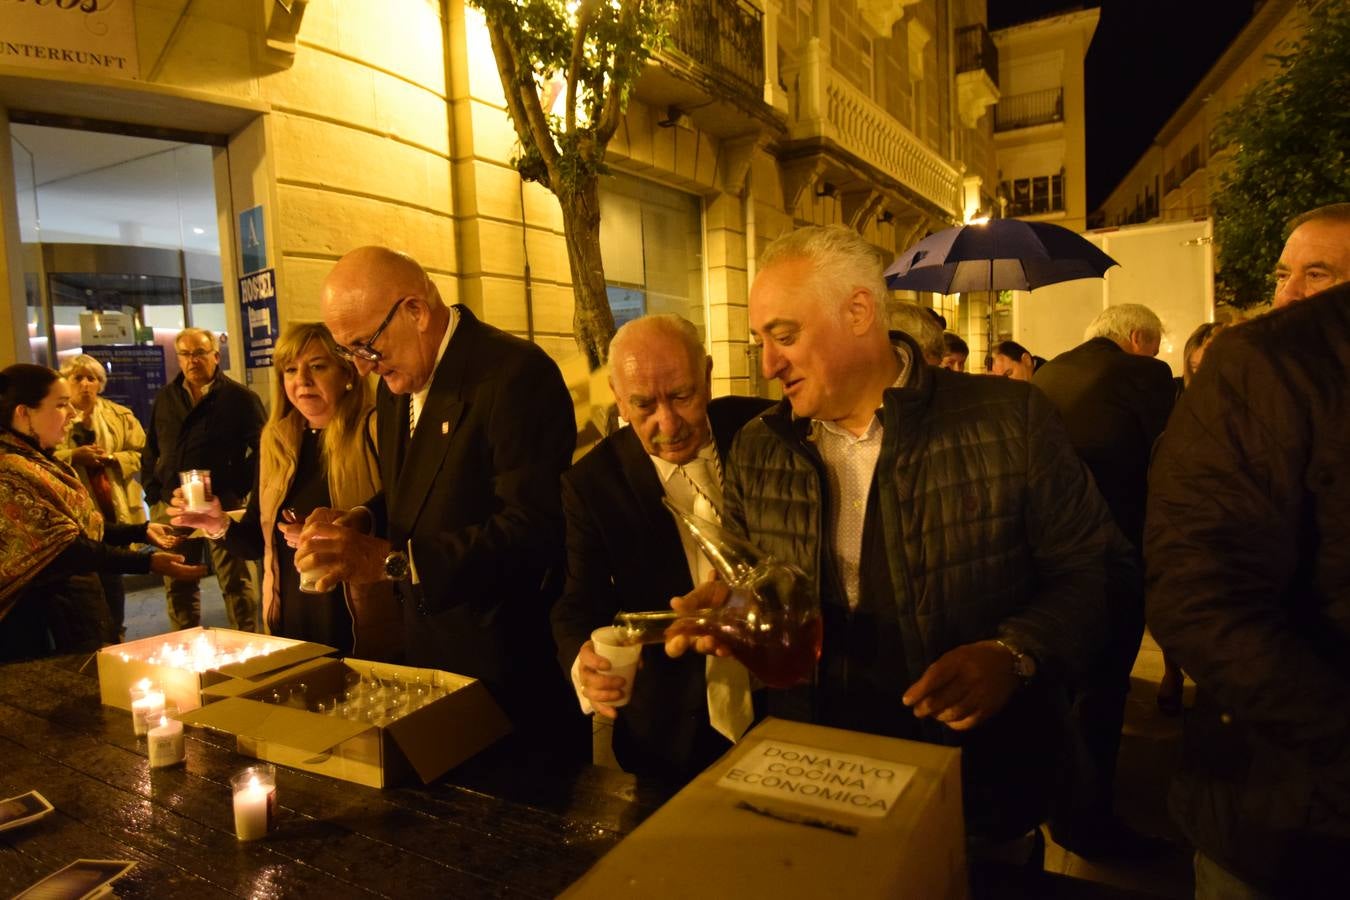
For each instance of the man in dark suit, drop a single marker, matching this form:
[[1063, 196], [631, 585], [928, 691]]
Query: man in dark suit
[[624, 551], [1114, 398], [475, 426]]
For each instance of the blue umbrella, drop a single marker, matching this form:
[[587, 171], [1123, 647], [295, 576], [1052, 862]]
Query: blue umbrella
[[998, 255]]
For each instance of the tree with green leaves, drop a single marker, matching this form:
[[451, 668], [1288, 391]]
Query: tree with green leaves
[[1291, 135], [592, 51]]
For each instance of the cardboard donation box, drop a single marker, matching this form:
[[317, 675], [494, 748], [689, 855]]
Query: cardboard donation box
[[459, 719], [801, 811], [184, 662]]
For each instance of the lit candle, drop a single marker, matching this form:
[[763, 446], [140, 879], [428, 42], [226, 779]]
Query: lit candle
[[255, 798], [166, 743], [195, 492], [147, 704]]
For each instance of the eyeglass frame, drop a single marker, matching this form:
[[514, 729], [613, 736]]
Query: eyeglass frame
[[194, 354], [363, 350]]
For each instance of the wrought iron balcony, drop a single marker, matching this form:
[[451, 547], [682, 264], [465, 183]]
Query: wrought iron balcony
[[1026, 110], [724, 37], [975, 51]]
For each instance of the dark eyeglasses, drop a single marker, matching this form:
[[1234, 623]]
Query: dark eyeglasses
[[364, 350]]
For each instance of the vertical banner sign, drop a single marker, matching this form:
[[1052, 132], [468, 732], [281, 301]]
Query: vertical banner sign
[[135, 375], [258, 313], [97, 36], [252, 240]]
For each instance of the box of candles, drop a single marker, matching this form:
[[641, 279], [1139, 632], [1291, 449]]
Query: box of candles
[[371, 723], [181, 663]]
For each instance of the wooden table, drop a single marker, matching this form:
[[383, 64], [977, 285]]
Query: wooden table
[[502, 825]]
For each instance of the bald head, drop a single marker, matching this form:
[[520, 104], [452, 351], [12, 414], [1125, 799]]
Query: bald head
[[383, 301], [661, 380]]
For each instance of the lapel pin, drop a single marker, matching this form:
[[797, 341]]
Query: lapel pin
[[445, 428]]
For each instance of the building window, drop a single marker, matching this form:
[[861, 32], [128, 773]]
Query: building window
[[1036, 195], [651, 241]]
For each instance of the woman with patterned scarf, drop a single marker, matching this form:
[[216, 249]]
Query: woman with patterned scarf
[[52, 537]]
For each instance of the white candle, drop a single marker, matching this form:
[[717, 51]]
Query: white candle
[[195, 492], [254, 801], [145, 709], [166, 743]]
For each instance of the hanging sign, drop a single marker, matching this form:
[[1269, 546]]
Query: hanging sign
[[96, 36], [258, 313]]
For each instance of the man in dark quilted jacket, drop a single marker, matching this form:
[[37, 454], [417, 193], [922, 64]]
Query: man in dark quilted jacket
[[959, 546]]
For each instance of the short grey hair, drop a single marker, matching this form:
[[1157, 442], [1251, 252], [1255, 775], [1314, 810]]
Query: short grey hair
[[1334, 212], [1119, 322], [672, 325], [841, 259], [84, 361], [197, 332], [917, 322]]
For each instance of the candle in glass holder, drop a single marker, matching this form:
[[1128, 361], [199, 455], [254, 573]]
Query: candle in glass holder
[[165, 740], [147, 705], [255, 799], [196, 485]]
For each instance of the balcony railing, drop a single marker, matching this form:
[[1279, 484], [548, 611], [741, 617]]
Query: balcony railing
[[826, 105], [975, 50], [725, 37], [1026, 110]]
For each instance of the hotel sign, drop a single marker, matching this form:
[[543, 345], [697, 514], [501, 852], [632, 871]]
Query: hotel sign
[[97, 36]]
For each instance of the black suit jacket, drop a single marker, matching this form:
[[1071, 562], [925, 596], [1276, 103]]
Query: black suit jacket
[[624, 553], [1114, 405], [475, 491]]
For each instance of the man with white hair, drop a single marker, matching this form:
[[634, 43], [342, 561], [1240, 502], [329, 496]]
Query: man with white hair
[[624, 552], [918, 322], [957, 544], [1114, 398]]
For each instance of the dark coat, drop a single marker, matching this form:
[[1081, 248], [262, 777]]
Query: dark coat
[[220, 433], [1248, 553], [624, 554], [983, 524], [476, 494], [1114, 405]]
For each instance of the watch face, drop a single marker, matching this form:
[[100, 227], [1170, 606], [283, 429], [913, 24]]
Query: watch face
[[396, 566]]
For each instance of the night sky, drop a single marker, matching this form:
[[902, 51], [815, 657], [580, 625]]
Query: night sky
[[1145, 57]]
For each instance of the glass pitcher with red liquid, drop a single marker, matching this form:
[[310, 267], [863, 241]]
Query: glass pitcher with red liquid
[[771, 617]]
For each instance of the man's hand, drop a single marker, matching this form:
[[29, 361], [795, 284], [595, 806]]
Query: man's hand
[[162, 536], [170, 565], [600, 689], [710, 594], [334, 543], [966, 686]]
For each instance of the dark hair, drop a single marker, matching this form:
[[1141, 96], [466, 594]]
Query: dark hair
[[23, 384], [953, 343], [1010, 349], [1200, 337]]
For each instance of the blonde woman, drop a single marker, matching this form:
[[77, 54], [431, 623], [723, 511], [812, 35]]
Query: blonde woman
[[103, 444], [316, 450]]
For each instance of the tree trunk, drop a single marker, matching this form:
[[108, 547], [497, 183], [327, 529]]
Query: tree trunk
[[593, 322]]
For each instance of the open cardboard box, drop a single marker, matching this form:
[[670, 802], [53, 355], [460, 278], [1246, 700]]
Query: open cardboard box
[[800, 811], [426, 742], [122, 665]]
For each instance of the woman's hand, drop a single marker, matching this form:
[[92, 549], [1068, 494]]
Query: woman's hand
[[162, 536], [211, 519], [171, 565], [91, 456]]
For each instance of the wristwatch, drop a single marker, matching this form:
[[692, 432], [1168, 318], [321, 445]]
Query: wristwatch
[[1024, 664], [396, 566]]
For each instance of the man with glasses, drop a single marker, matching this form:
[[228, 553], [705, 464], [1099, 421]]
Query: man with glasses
[[203, 420], [475, 428]]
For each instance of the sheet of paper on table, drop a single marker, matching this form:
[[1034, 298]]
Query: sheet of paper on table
[[81, 880]]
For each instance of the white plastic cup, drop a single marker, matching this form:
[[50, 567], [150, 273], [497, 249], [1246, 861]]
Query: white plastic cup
[[623, 659]]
